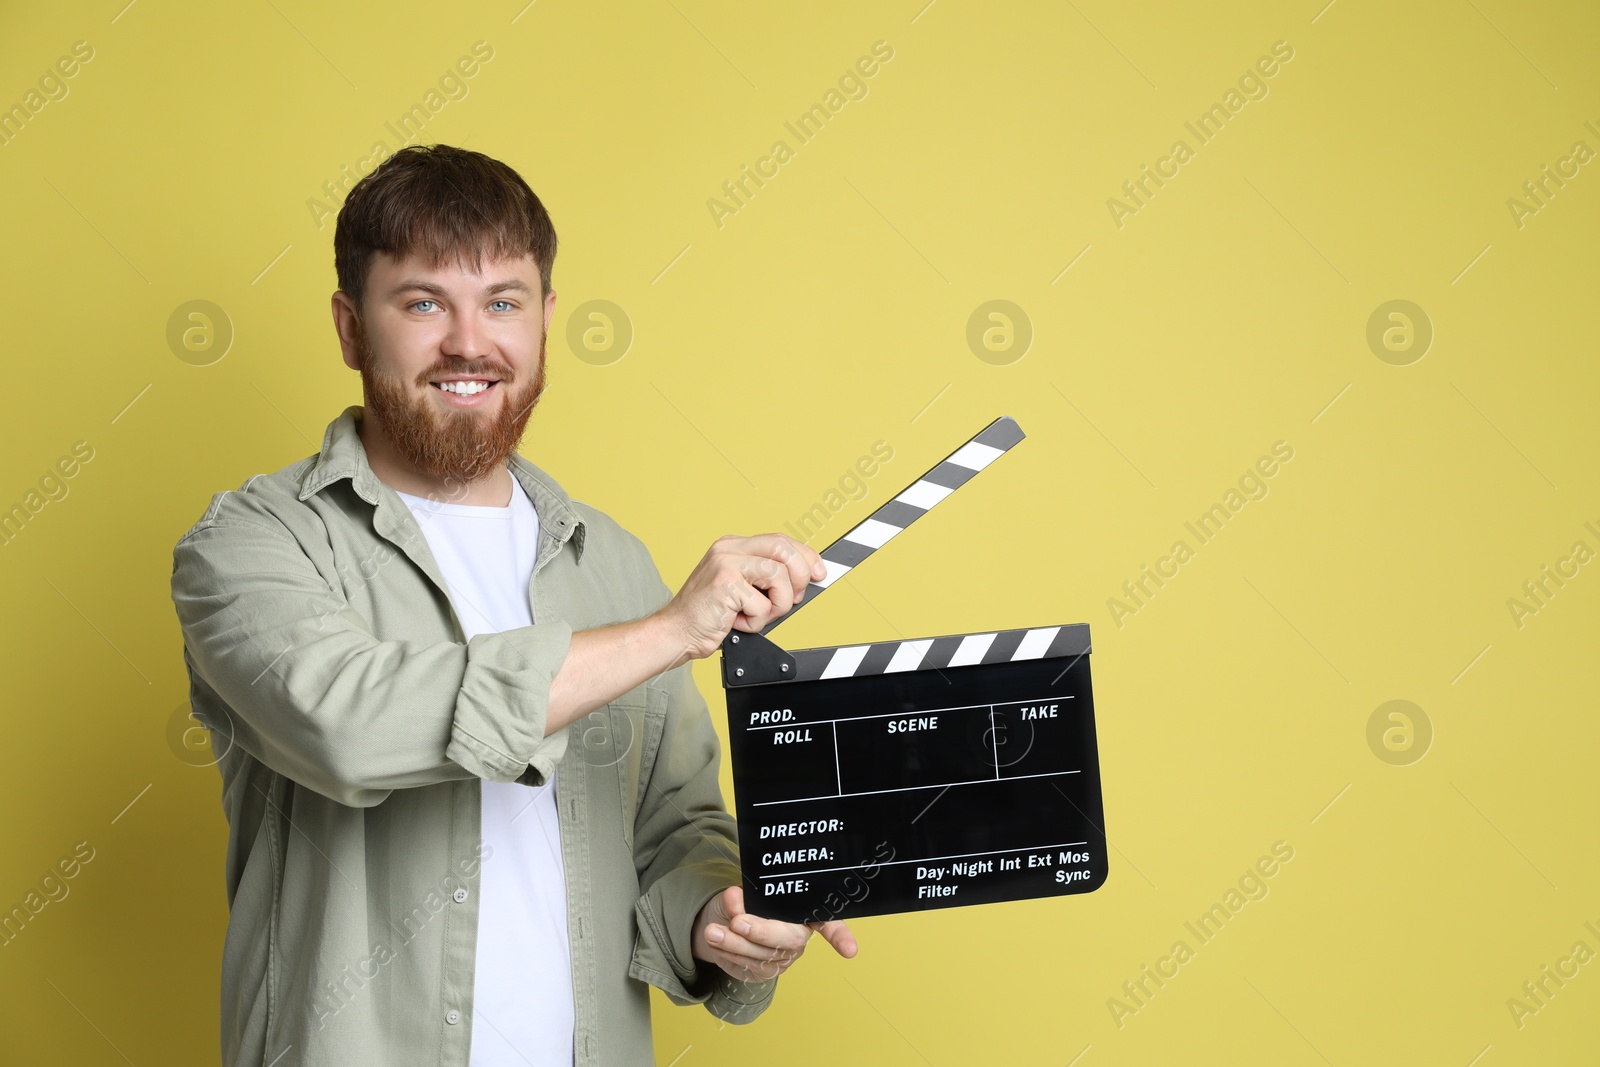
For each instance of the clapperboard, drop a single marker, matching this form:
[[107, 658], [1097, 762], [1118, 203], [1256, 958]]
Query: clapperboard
[[908, 775]]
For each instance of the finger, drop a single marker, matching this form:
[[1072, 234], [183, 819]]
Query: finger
[[748, 605], [837, 934], [801, 560], [764, 589], [815, 567], [772, 578], [723, 940], [720, 910], [771, 933], [755, 610], [792, 554]]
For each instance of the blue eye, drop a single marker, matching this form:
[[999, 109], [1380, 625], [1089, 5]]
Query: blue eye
[[422, 302], [507, 303]]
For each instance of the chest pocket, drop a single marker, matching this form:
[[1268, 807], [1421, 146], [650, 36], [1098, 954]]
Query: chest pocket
[[622, 739]]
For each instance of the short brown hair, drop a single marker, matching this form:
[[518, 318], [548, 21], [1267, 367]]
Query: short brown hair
[[442, 203]]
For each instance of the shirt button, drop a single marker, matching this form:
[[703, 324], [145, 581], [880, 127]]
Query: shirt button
[[460, 895], [452, 1016]]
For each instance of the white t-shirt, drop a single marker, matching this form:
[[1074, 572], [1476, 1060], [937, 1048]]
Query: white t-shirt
[[522, 985]]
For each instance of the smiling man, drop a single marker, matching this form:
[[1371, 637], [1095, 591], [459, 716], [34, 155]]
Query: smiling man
[[470, 783]]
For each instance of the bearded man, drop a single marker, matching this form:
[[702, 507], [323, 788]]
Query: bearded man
[[471, 786]]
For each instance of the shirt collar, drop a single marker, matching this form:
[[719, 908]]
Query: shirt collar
[[344, 456]]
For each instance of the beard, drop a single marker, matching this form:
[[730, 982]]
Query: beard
[[457, 446]]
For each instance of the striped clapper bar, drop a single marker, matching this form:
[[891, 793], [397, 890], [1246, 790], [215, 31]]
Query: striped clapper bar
[[909, 775]]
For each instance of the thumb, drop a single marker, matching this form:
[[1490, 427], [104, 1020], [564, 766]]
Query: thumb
[[733, 901]]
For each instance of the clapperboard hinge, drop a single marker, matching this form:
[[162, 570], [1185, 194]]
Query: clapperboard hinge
[[754, 659]]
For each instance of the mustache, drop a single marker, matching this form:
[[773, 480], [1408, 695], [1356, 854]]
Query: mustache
[[493, 370]]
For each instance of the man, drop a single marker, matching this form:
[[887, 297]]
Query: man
[[470, 783]]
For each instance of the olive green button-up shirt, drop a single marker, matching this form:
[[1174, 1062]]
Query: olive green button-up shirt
[[352, 722]]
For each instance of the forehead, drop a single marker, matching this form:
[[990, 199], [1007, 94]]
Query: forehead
[[387, 272]]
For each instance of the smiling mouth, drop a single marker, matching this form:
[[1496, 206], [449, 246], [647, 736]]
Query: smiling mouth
[[465, 390]]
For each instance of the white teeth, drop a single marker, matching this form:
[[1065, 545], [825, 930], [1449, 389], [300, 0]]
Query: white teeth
[[464, 388]]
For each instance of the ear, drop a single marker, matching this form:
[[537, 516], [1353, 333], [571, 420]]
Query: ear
[[345, 324], [549, 309]]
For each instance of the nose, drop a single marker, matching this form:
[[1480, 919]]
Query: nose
[[465, 339]]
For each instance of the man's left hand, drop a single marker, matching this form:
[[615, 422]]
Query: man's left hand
[[753, 949]]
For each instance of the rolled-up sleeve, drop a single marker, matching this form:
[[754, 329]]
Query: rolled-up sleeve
[[308, 690]]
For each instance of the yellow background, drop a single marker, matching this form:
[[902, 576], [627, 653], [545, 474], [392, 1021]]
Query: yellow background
[[831, 312]]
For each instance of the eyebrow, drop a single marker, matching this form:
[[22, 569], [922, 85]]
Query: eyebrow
[[417, 285]]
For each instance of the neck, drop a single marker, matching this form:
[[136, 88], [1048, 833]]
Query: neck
[[390, 468]]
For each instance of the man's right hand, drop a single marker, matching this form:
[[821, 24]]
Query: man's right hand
[[743, 583]]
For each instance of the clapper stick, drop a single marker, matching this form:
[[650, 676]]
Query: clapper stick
[[749, 658]]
